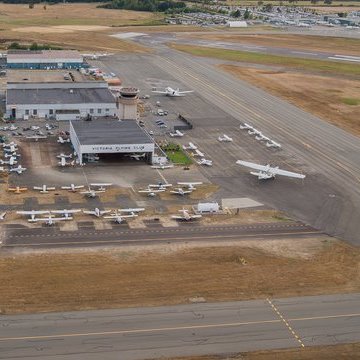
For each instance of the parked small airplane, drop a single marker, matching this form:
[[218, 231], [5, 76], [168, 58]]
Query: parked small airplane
[[13, 128], [34, 127], [191, 146], [159, 186], [198, 153], [118, 217], [185, 216], [172, 92], [180, 191], [274, 144], [32, 213], [72, 187], [64, 156], [50, 221], [11, 148], [262, 137], [225, 138], [36, 137], [18, 169], [17, 189], [61, 140], [44, 188], [204, 161], [162, 166], [246, 126], [2, 215], [101, 186], [11, 161], [268, 172], [9, 155], [177, 133], [91, 193], [5, 145], [66, 213], [150, 192], [137, 156], [96, 212], [190, 185], [254, 132]]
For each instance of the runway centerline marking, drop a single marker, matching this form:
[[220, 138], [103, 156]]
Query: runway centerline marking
[[296, 336]]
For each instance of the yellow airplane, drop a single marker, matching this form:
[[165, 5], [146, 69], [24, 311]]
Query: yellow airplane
[[17, 189]]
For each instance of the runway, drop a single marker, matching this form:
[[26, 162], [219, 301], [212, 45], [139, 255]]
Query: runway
[[122, 236], [194, 329]]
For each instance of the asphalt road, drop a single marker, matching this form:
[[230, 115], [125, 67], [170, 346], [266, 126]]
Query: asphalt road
[[155, 234], [326, 152], [195, 329]]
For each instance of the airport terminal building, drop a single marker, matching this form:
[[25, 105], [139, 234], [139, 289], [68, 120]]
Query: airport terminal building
[[45, 59], [110, 137]]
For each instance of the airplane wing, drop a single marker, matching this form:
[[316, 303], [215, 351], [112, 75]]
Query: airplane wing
[[70, 211], [185, 92], [33, 212], [287, 173], [132, 210], [252, 165], [50, 188], [89, 212], [38, 188], [159, 92], [101, 184], [190, 183]]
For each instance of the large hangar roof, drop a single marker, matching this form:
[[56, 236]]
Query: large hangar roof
[[110, 132], [21, 56], [59, 96]]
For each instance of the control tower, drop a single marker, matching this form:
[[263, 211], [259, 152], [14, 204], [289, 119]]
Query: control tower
[[127, 103]]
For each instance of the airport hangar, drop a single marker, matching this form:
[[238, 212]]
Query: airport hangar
[[110, 136]]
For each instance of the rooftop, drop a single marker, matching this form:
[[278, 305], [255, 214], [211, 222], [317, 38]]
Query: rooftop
[[110, 132], [43, 54], [59, 96], [30, 76]]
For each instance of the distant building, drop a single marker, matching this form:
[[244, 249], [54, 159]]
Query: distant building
[[238, 24], [44, 59]]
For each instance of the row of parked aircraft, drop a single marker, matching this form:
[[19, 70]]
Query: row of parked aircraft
[[11, 156], [183, 188], [197, 153], [260, 136]]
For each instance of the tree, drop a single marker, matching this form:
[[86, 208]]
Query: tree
[[268, 7], [247, 14], [34, 46], [314, 1], [260, 2], [236, 13], [328, 2]]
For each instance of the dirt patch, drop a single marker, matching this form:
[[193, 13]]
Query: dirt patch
[[335, 9], [330, 352], [147, 276], [321, 95], [61, 29], [298, 42]]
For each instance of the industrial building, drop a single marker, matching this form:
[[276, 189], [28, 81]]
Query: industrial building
[[109, 136], [45, 59], [59, 101]]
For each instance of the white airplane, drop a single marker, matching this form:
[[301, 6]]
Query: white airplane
[[36, 137], [34, 127], [14, 154], [225, 138], [177, 133], [137, 156], [268, 172], [64, 163], [159, 186], [180, 191], [18, 169], [66, 213], [185, 216], [274, 144], [151, 192], [64, 156], [11, 148], [197, 152], [13, 128], [44, 188], [96, 212], [162, 166], [2, 169], [118, 218], [101, 186], [91, 193], [190, 185], [172, 92], [72, 187], [32, 213], [191, 146], [262, 137], [12, 143], [246, 126], [254, 132], [2, 215], [12, 161], [204, 161], [50, 221], [61, 140]]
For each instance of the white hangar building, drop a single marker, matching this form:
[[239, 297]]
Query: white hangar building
[[60, 100], [110, 137]]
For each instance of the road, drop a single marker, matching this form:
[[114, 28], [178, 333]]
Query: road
[[194, 329], [154, 234]]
